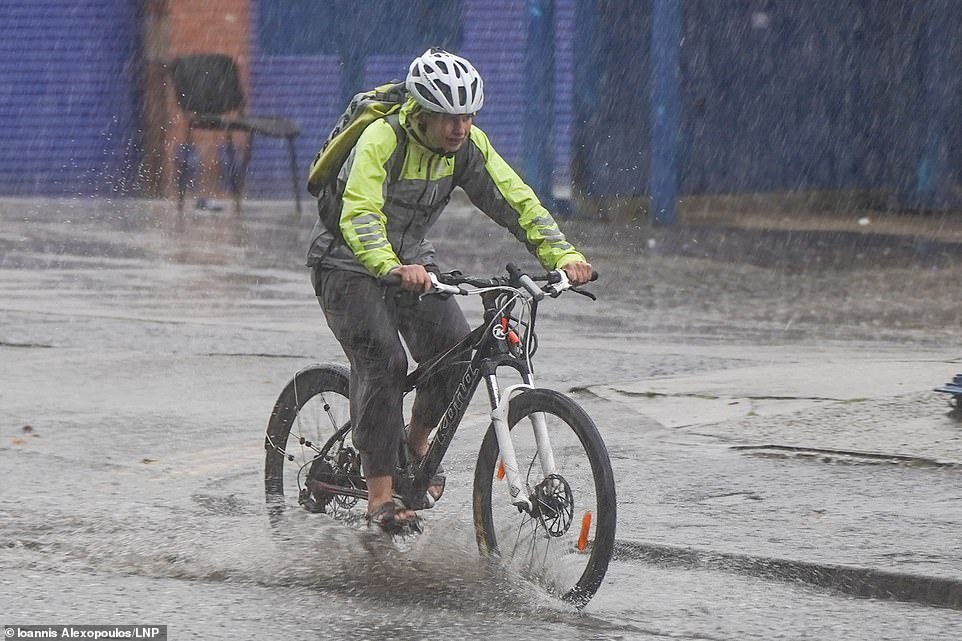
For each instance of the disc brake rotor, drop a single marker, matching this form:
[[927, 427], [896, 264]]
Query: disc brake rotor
[[555, 504]]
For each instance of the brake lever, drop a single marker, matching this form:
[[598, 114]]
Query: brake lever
[[439, 288], [554, 289]]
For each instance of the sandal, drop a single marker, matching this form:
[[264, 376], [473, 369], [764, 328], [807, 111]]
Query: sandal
[[386, 517]]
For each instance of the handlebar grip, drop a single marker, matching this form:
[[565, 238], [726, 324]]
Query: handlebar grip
[[391, 279]]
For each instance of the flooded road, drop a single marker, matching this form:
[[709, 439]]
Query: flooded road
[[784, 469]]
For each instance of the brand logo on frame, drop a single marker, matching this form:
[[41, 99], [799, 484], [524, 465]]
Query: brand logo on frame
[[461, 398]]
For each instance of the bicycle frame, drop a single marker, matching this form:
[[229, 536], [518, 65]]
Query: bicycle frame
[[490, 351]]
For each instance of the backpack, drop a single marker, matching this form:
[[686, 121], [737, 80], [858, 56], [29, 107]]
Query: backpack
[[364, 108]]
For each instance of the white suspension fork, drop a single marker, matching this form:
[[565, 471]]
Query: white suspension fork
[[540, 427], [499, 418]]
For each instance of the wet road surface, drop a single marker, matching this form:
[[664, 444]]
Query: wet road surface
[[784, 469]]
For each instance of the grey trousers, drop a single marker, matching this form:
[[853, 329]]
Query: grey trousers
[[368, 321]]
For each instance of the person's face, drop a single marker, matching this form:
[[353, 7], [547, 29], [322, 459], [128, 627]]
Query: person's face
[[446, 131]]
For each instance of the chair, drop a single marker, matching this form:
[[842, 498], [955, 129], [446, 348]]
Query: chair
[[208, 89]]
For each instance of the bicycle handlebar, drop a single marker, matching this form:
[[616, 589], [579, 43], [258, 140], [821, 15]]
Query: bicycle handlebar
[[557, 282], [451, 283]]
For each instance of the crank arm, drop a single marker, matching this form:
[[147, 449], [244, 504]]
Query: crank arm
[[338, 490]]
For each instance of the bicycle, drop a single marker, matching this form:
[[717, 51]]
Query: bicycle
[[543, 499]]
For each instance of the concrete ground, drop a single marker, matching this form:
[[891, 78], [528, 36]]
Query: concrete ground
[[765, 390]]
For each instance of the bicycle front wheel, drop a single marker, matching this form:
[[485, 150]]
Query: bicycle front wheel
[[565, 543]]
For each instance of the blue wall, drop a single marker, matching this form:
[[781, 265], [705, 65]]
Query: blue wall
[[777, 96], [306, 86], [773, 95], [814, 95], [68, 96]]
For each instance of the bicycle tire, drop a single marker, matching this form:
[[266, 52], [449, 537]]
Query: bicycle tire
[[311, 413], [573, 574]]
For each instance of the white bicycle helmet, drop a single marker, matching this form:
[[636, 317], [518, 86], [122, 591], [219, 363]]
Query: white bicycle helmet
[[445, 83]]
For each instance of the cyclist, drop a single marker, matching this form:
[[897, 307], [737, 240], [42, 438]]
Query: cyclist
[[383, 222]]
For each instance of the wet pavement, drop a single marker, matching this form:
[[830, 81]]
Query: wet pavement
[[784, 469]]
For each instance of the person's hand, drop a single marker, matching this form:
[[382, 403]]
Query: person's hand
[[413, 277], [578, 273]]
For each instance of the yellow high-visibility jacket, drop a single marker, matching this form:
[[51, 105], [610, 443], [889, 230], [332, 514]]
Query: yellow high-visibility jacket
[[384, 221]]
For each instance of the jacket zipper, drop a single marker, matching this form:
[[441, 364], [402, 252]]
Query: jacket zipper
[[427, 183]]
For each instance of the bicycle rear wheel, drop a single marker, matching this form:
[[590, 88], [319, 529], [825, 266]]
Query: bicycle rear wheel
[[308, 439], [566, 543]]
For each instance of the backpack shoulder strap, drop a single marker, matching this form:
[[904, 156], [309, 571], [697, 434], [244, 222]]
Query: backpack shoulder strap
[[402, 141]]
